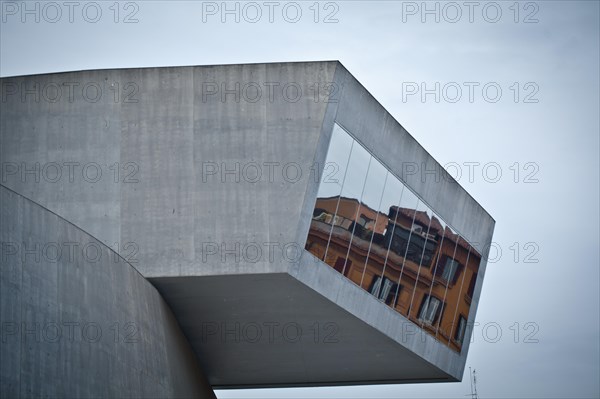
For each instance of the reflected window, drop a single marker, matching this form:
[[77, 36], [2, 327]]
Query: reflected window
[[472, 285], [459, 335], [339, 265], [430, 309], [449, 270], [384, 289]]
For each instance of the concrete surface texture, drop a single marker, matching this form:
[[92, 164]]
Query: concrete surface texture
[[205, 179], [80, 322]]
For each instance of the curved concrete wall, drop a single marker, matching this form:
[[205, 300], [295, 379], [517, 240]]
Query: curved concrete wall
[[78, 321]]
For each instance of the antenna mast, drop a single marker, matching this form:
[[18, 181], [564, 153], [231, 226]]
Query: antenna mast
[[473, 381]]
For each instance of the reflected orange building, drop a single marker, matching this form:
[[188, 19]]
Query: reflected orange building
[[406, 258]]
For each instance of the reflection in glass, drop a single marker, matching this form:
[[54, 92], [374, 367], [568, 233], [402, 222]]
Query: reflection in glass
[[347, 209], [472, 264], [430, 309], [370, 227], [459, 335], [378, 228], [334, 174], [397, 238], [423, 240], [367, 220], [449, 268], [439, 229], [386, 291], [353, 191], [448, 251]]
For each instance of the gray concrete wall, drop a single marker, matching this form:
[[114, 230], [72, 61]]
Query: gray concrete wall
[[77, 321], [165, 126]]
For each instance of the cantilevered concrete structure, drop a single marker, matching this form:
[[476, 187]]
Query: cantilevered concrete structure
[[293, 231]]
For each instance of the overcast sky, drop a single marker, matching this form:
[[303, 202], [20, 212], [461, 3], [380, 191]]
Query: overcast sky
[[541, 133]]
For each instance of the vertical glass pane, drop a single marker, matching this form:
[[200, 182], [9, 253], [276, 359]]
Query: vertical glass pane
[[463, 300], [374, 265], [334, 172], [336, 161], [419, 254], [367, 221], [396, 240], [338, 251], [455, 293], [440, 256], [458, 266], [434, 273], [443, 288]]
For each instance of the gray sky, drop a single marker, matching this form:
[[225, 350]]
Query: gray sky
[[549, 134]]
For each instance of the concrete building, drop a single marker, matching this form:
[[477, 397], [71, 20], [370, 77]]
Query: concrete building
[[169, 230]]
